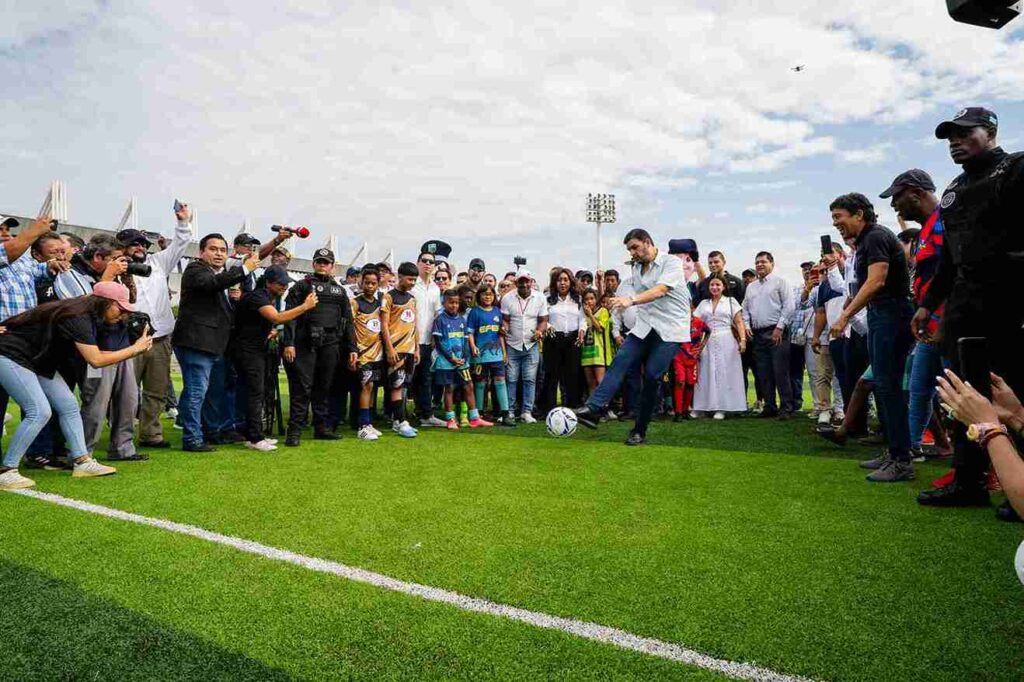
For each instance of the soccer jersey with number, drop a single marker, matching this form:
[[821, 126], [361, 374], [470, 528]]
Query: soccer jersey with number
[[450, 333], [401, 308], [485, 328], [366, 319]]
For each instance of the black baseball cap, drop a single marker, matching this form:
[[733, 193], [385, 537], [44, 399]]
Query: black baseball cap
[[353, 271], [584, 273], [749, 273], [323, 254], [276, 274], [971, 117], [10, 222], [477, 264], [915, 177], [680, 246], [130, 236], [246, 239]]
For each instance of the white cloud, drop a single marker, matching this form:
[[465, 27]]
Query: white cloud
[[391, 122], [873, 154]]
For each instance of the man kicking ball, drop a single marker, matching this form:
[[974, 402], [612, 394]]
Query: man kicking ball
[[662, 302]]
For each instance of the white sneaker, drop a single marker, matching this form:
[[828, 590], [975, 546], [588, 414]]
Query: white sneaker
[[12, 480], [696, 415], [611, 416], [433, 421], [527, 418], [403, 429], [825, 418], [719, 416], [89, 468], [368, 433], [375, 430], [813, 414], [272, 441], [172, 413], [262, 446], [838, 416], [7, 417]]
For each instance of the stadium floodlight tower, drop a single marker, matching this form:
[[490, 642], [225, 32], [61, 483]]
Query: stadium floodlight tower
[[600, 210]]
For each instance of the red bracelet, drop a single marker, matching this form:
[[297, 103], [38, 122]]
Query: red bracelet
[[989, 436]]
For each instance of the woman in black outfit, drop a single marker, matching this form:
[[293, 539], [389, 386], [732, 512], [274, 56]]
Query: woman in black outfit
[[566, 327]]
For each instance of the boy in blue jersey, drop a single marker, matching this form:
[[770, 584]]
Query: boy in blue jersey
[[451, 360], [487, 347]]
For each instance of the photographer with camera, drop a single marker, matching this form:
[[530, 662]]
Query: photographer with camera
[[152, 298], [111, 391]]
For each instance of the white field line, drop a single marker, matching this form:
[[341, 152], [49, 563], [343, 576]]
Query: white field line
[[591, 631]]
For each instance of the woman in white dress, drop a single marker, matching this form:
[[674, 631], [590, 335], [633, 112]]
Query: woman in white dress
[[720, 374]]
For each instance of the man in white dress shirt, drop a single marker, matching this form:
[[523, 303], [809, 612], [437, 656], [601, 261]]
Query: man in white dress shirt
[[524, 320], [662, 305], [428, 302], [767, 310]]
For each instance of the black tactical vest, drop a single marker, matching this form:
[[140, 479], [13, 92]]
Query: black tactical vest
[[328, 313]]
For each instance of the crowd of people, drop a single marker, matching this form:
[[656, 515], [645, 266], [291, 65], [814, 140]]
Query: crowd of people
[[875, 318]]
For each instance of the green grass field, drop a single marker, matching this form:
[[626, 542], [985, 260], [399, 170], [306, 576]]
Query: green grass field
[[747, 540]]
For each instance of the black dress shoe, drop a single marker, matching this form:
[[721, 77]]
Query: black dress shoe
[[587, 417], [955, 495], [231, 437], [326, 435], [784, 416], [202, 447], [1005, 512], [635, 439], [137, 457], [292, 440], [837, 436], [156, 444], [768, 414]]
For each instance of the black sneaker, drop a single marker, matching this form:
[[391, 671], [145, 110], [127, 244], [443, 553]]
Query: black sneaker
[[326, 435], [156, 444], [292, 440], [784, 416], [41, 462], [635, 439], [228, 437], [587, 417], [137, 457], [955, 495], [507, 420], [199, 447], [1005, 512]]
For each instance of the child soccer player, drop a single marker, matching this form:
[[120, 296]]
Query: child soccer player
[[487, 346], [467, 298], [451, 369], [369, 348], [685, 369], [398, 329]]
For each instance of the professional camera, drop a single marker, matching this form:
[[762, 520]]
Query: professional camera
[[136, 322], [987, 13], [518, 261], [140, 269]]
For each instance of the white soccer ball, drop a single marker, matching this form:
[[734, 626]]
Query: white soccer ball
[[561, 422], [1019, 562]]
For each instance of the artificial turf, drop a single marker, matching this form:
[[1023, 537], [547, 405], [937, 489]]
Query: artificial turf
[[745, 539]]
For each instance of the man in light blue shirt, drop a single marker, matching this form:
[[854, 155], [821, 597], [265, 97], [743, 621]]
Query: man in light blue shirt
[[768, 311], [662, 303]]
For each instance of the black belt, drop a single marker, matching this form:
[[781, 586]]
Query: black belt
[[760, 330], [565, 335]]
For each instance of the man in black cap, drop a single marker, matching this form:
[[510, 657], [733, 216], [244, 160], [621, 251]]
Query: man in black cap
[[477, 269], [982, 264], [313, 346]]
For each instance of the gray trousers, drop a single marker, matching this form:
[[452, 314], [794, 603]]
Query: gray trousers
[[153, 371], [112, 395]]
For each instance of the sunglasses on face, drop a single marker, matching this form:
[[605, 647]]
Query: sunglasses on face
[[426, 261]]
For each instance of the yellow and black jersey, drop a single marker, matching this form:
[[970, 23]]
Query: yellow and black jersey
[[401, 308], [366, 320]]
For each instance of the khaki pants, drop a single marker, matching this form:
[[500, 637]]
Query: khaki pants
[[153, 371], [826, 393]]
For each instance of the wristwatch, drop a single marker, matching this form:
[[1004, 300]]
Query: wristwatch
[[984, 432]]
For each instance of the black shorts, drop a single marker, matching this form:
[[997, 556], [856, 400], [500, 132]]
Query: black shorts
[[485, 370], [401, 374], [453, 377], [369, 373]]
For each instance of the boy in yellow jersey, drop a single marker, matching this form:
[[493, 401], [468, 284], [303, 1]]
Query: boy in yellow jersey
[[369, 347], [401, 345]]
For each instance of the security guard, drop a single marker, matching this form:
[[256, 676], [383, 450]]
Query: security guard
[[978, 277], [313, 346]]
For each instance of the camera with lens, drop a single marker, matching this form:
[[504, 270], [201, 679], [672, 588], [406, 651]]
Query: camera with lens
[[140, 269], [135, 323], [519, 261]]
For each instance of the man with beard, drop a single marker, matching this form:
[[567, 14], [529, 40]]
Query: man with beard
[[982, 262], [152, 297]]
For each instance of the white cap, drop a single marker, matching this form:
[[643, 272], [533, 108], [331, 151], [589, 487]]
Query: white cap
[[13, 222], [523, 272]]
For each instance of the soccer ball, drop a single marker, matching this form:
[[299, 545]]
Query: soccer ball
[[1019, 561], [561, 422]]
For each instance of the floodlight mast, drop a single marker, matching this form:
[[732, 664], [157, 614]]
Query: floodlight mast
[[600, 210]]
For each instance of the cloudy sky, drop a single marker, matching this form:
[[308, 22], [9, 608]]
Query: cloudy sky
[[486, 124]]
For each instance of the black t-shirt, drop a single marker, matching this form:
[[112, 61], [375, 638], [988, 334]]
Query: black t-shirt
[[877, 244], [251, 327], [23, 343]]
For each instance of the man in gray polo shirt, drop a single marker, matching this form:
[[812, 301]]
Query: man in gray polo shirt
[[662, 303]]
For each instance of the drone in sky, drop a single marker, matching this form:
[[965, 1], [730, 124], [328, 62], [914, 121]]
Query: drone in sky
[[798, 68]]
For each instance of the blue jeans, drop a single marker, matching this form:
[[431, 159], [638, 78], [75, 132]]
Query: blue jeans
[[522, 366], [889, 342], [655, 355], [201, 393], [925, 365], [40, 398]]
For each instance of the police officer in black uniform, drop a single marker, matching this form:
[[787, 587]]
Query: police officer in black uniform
[[313, 346], [979, 277]]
